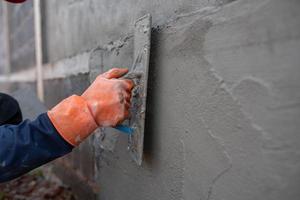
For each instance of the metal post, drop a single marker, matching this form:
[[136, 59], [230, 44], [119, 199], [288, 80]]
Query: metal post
[[38, 48], [6, 29]]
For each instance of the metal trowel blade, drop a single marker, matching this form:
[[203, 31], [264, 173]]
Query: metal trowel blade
[[139, 74]]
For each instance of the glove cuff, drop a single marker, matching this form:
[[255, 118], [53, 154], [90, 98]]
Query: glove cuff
[[73, 119]]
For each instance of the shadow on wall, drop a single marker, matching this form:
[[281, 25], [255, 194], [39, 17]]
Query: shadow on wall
[[149, 138]]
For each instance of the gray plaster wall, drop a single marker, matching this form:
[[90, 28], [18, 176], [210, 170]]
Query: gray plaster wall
[[223, 113]]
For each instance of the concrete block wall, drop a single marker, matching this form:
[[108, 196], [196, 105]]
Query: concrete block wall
[[223, 107]]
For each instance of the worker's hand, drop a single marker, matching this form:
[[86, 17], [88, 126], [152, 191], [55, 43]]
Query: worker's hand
[[105, 103], [108, 97]]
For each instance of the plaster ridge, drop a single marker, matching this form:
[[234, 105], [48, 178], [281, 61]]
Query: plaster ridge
[[204, 11], [225, 153], [183, 168], [197, 14], [114, 45], [253, 79], [246, 115], [223, 172]]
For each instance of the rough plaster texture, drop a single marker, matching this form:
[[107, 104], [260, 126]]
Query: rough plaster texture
[[223, 117], [223, 100]]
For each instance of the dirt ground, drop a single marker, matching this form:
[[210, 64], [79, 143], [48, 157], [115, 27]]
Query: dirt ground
[[34, 186]]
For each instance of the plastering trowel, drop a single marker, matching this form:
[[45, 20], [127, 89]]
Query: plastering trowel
[[135, 126]]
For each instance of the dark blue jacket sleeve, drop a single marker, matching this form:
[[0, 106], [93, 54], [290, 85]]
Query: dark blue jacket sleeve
[[29, 145]]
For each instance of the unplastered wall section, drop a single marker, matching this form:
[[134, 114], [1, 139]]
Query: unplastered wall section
[[223, 107]]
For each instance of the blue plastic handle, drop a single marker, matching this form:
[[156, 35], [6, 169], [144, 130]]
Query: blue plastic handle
[[125, 129]]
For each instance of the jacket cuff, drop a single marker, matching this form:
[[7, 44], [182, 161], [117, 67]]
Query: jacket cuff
[[72, 119]]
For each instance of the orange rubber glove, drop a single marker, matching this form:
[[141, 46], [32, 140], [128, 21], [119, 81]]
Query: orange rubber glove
[[105, 103]]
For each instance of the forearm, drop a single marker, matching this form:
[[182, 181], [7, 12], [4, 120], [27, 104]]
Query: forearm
[[29, 145]]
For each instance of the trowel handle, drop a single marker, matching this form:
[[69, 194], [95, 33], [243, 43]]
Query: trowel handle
[[125, 129]]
